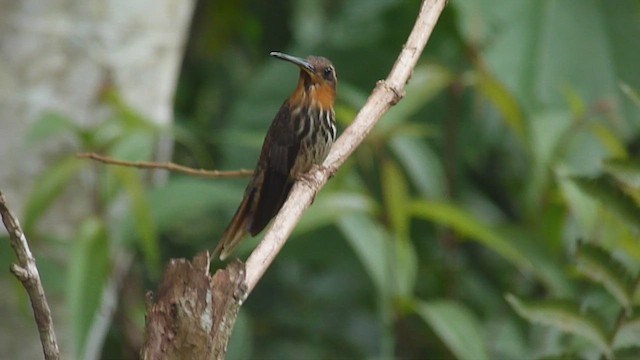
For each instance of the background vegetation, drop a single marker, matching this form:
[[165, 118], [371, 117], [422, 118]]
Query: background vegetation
[[493, 214]]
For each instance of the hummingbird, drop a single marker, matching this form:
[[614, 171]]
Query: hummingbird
[[300, 136]]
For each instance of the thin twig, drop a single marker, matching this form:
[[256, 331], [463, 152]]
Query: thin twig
[[386, 94], [167, 166], [27, 272]]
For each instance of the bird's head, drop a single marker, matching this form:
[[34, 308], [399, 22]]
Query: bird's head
[[318, 80]]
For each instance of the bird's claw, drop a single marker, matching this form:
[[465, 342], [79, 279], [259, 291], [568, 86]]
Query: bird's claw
[[309, 177], [331, 170]]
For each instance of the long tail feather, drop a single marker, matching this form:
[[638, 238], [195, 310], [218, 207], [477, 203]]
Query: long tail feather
[[236, 230]]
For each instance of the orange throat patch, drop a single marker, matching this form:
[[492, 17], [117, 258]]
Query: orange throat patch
[[324, 96]]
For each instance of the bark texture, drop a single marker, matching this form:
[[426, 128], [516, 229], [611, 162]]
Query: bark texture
[[194, 313]]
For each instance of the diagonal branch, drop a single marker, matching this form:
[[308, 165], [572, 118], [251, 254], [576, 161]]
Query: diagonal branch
[[167, 166], [27, 272], [386, 94]]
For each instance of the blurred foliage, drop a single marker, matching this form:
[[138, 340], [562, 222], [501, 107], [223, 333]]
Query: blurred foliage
[[501, 194]]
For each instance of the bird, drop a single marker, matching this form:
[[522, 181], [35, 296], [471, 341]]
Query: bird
[[299, 137]]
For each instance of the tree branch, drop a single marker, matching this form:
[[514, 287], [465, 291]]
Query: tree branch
[[386, 94], [27, 272], [167, 166]]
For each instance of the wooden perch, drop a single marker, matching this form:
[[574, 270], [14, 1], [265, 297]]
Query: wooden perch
[[194, 313]]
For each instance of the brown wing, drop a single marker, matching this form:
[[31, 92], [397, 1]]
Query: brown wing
[[278, 155]]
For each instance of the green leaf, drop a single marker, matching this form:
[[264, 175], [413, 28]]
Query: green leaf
[[88, 269], [628, 334], [575, 101], [505, 102], [565, 316], [47, 188], [105, 134], [562, 356], [404, 268], [127, 115], [631, 93], [465, 224], [457, 327], [183, 198], [396, 198], [370, 243], [142, 217], [330, 206], [420, 163], [627, 171], [549, 130], [548, 267], [135, 146], [584, 209], [610, 196], [613, 143], [50, 125], [598, 265]]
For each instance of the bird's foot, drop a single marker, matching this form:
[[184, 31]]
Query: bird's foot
[[330, 170], [310, 180], [309, 177]]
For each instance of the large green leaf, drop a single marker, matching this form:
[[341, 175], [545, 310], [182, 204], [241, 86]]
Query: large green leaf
[[143, 220], [396, 198], [457, 327], [562, 315], [48, 188], [371, 244], [404, 267], [537, 49], [184, 198], [598, 265], [505, 102], [467, 225], [330, 206], [88, 269], [420, 163]]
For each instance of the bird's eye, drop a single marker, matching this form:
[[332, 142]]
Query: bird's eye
[[328, 72]]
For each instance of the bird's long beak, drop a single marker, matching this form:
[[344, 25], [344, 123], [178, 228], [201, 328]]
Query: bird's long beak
[[302, 63]]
